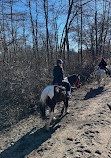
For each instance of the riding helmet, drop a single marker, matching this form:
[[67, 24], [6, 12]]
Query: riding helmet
[[59, 61]]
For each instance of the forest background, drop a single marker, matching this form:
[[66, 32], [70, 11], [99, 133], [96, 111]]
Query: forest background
[[34, 34]]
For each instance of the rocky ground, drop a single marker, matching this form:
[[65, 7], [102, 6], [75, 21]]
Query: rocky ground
[[83, 133]]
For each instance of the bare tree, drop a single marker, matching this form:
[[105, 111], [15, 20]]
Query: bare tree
[[96, 29], [36, 39], [47, 30], [32, 27], [3, 35], [81, 40]]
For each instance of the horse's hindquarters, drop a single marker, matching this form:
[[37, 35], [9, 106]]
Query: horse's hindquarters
[[100, 75]]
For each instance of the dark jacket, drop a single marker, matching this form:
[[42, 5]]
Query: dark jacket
[[102, 64], [57, 75]]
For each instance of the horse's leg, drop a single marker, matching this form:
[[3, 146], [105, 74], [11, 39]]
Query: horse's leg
[[66, 105], [105, 78], [62, 110], [50, 104], [68, 88], [98, 79], [50, 119]]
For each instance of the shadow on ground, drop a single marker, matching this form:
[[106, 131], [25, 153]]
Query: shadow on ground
[[29, 142], [93, 93]]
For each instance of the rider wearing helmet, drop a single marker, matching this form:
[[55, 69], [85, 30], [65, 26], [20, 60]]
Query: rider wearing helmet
[[58, 77], [58, 73], [102, 64]]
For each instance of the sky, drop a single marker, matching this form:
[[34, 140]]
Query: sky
[[59, 5]]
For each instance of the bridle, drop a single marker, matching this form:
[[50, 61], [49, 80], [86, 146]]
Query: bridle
[[77, 83]]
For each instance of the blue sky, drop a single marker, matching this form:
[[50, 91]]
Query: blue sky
[[21, 6]]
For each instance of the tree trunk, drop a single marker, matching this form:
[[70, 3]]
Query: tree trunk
[[3, 36], [96, 27], [92, 44], [47, 31], [36, 38], [81, 34]]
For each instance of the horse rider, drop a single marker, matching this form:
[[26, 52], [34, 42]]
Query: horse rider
[[102, 65], [58, 77]]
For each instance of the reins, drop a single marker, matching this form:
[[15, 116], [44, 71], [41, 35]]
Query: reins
[[77, 82]]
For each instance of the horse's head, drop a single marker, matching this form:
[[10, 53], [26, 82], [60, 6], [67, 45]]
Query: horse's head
[[74, 80]]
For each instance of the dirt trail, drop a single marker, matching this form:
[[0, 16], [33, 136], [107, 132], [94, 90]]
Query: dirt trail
[[84, 133]]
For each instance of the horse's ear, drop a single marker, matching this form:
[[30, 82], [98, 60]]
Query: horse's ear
[[78, 76]]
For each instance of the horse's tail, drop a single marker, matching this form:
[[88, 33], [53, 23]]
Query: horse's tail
[[42, 110]]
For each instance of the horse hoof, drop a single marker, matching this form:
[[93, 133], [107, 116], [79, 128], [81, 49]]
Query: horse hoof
[[54, 118], [67, 112]]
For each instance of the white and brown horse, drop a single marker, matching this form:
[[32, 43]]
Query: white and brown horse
[[100, 76], [53, 94]]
